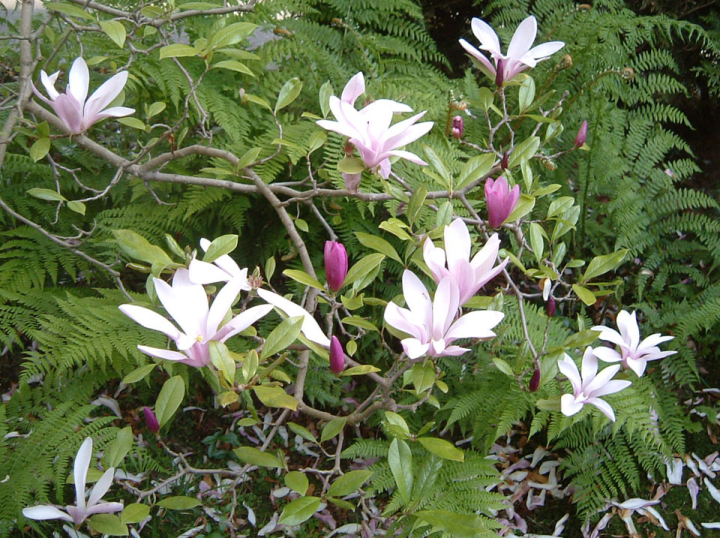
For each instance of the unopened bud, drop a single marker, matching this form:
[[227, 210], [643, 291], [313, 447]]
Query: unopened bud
[[337, 356], [584, 7], [581, 135], [336, 264], [548, 164], [504, 161], [500, 73], [565, 62], [550, 307], [255, 280], [458, 127], [628, 73], [151, 420], [535, 381]]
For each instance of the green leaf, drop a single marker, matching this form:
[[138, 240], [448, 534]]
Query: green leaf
[[137, 247], [486, 98], [560, 205], [115, 31], [39, 149], [288, 93], [220, 246], [133, 122], [299, 510], [69, 9], [442, 448], [138, 374], [586, 296], [234, 65], [332, 428], [297, 482], [360, 370], [170, 397], [378, 243], [550, 404], [444, 215], [437, 163], [362, 268], [400, 462], [317, 140], [77, 207], [525, 204], [527, 93], [178, 50], [345, 505], [250, 365], [602, 264], [303, 278], [349, 483], [47, 194], [524, 151], [135, 513], [475, 168], [156, 108], [220, 357], [228, 397], [581, 339], [273, 396], [108, 524], [423, 376], [119, 449], [253, 456], [282, 336], [257, 100], [566, 222], [536, 239], [302, 432], [179, 502], [230, 35], [357, 321], [503, 366], [454, 524], [350, 165], [326, 91]]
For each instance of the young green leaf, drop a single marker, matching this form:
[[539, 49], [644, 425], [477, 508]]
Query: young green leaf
[[297, 482], [170, 397], [115, 31], [253, 456], [442, 448], [349, 483], [288, 93], [400, 462], [299, 510], [282, 336], [332, 428], [179, 502]]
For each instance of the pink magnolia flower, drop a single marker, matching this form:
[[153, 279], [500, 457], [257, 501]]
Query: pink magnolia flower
[[454, 260], [187, 304], [592, 385], [500, 200], [72, 108], [634, 354], [82, 509], [336, 264], [519, 54], [337, 356], [431, 324], [151, 420], [369, 129]]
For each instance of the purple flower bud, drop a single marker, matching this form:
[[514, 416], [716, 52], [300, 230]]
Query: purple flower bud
[[458, 127], [504, 163], [352, 181], [550, 308], [500, 73], [337, 356], [336, 264], [500, 200], [150, 420], [582, 135], [535, 381]]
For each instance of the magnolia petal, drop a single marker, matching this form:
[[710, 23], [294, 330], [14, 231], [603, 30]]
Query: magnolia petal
[[712, 489], [523, 38], [607, 354], [39, 95], [483, 261], [475, 325], [568, 405], [634, 504], [485, 65], [408, 156], [464, 276], [384, 106], [589, 365], [150, 320], [385, 168], [206, 273], [637, 365], [457, 243], [414, 348], [105, 94], [104, 508], [568, 369], [68, 111], [78, 81], [590, 386], [337, 127], [101, 487], [354, 89], [408, 135], [610, 335], [222, 303], [418, 299], [604, 407], [49, 83], [627, 323], [166, 354], [226, 263], [445, 306], [674, 471], [42, 512], [655, 354], [310, 327], [694, 489], [454, 351], [611, 387], [114, 112], [398, 318], [242, 321], [489, 40], [543, 51], [435, 260], [80, 470]]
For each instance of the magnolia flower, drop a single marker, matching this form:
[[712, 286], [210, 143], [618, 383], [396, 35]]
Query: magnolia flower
[[592, 385], [369, 129], [310, 327], [72, 107], [223, 269], [82, 510], [519, 54], [151, 420], [336, 264], [469, 276], [431, 324], [500, 200], [187, 304], [634, 354], [581, 135]]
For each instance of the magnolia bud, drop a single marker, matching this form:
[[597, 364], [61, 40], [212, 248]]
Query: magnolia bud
[[337, 356], [628, 73], [550, 307], [500, 73], [500, 200], [535, 381], [581, 135], [336, 264], [151, 420], [565, 62], [458, 127], [504, 162]]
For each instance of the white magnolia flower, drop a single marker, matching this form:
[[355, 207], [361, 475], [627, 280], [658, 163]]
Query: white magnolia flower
[[223, 269], [634, 354], [82, 509]]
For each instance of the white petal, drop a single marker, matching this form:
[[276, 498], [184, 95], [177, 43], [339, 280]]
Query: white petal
[[610, 335], [652, 341], [242, 321], [163, 353], [399, 318], [589, 365], [79, 80], [603, 406], [546, 49], [407, 155], [414, 348], [637, 365], [607, 354], [101, 487], [49, 83], [485, 66], [80, 470], [150, 320], [568, 369], [713, 490], [43, 512], [226, 263], [568, 405], [310, 327], [105, 94], [601, 379], [611, 387], [445, 306], [354, 89], [475, 325], [627, 323], [104, 508], [418, 299], [486, 35], [435, 259], [694, 489], [523, 38], [222, 303], [206, 273], [457, 243], [113, 112]]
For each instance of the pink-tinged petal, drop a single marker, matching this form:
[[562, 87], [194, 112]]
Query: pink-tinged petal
[[512, 199], [104, 508], [457, 243], [337, 127], [43, 512], [483, 64], [206, 273], [435, 260], [607, 354], [39, 95], [49, 83], [568, 369], [437, 347], [486, 35], [408, 156], [186, 302], [634, 504], [627, 323], [604, 407], [114, 112], [464, 276], [205, 244], [242, 321], [605, 375], [414, 348], [694, 489], [406, 136], [475, 325], [310, 327], [77, 513], [79, 81], [354, 89], [610, 335], [523, 38], [568, 405], [652, 341], [611, 387], [398, 129], [445, 306], [655, 354], [385, 168], [637, 365], [101, 487], [68, 111], [541, 52], [105, 94], [399, 318], [384, 106], [222, 303], [166, 354], [226, 263], [674, 471], [417, 299], [80, 470], [589, 365], [485, 258], [454, 351], [150, 320]]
